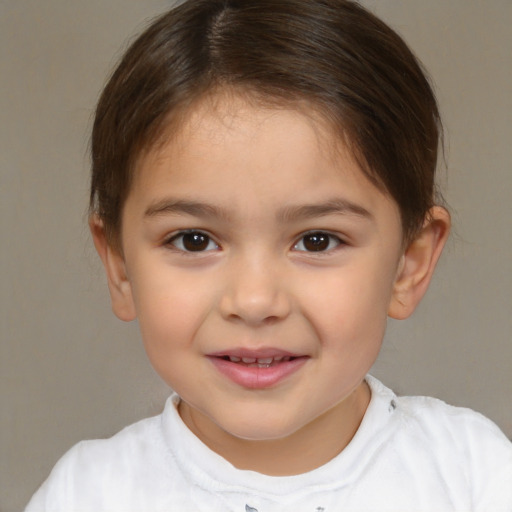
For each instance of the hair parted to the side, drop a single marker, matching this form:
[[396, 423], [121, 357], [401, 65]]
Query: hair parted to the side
[[332, 54]]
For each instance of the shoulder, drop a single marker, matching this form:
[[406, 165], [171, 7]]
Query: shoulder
[[463, 448], [96, 474], [457, 427], [431, 419], [122, 449]]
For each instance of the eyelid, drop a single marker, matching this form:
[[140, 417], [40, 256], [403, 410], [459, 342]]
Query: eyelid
[[339, 241], [180, 234]]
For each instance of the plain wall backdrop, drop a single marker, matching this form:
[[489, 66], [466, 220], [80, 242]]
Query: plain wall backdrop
[[69, 370]]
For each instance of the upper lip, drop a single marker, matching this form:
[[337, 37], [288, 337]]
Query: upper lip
[[262, 353]]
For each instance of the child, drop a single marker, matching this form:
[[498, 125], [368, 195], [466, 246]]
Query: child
[[262, 200]]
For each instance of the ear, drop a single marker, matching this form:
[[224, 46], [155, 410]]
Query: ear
[[418, 263], [121, 296]]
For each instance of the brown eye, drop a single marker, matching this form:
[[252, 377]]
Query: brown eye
[[317, 241], [193, 241]]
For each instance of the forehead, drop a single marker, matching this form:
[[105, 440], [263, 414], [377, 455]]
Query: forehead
[[209, 121], [226, 109], [237, 151]]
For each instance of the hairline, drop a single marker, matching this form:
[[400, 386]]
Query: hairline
[[171, 125]]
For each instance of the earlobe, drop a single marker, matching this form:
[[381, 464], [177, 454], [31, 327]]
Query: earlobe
[[119, 285], [418, 263]]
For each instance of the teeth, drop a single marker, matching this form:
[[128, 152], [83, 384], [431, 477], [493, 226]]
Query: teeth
[[261, 362], [265, 360]]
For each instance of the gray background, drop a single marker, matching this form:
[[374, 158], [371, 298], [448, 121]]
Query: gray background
[[69, 370]]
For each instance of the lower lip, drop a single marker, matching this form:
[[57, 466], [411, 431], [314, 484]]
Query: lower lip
[[253, 377]]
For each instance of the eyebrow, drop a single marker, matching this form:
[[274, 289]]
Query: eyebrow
[[336, 206], [177, 207]]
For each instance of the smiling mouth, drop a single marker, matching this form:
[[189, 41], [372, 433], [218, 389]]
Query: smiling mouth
[[257, 369], [258, 362]]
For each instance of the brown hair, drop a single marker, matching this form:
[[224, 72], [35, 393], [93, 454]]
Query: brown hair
[[339, 58]]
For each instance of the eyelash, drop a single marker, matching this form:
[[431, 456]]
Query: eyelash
[[203, 242], [319, 238], [178, 240]]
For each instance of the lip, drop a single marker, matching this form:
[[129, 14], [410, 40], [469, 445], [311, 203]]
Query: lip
[[254, 377]]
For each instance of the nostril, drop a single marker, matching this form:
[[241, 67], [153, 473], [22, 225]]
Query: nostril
[[260, 303]]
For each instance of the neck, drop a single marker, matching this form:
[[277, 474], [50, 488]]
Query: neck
[[310, 447]]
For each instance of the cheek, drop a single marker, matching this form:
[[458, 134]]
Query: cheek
[[350, 326], [170, 308], [169, 318], [350, 309]]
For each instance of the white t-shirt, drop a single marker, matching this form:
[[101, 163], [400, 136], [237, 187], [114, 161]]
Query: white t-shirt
[[410, 454]]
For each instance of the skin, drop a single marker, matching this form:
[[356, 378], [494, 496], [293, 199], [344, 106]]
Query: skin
[[256, 182]]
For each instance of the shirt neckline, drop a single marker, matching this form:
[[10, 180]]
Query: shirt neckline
[[205, 468]]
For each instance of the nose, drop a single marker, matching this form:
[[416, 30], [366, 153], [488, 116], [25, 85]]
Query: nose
[[255, 293]]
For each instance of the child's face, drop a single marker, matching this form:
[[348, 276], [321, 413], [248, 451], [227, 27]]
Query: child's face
[[248, 236]]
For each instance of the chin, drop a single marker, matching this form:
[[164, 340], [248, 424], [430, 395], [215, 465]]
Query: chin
[[261, 430]]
